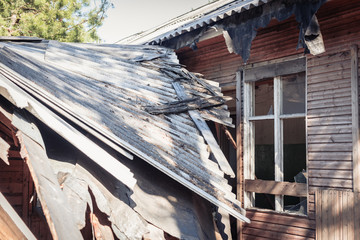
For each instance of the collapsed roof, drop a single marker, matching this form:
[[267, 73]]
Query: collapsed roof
[[138, 100]]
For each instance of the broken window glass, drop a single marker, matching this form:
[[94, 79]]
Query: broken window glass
[[264, 97], [293, 93]]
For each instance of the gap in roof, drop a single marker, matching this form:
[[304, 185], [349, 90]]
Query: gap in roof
[[132, 16]]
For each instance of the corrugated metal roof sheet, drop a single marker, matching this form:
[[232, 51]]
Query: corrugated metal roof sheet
[[198, 18], [106, 87]]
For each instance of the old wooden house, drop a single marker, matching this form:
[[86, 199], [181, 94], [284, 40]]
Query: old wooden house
[[109, 142], [292, 69]]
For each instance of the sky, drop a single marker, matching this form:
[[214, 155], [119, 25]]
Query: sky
[[132, 16]]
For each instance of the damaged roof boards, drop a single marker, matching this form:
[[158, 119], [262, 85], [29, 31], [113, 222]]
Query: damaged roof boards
[[137, 100]]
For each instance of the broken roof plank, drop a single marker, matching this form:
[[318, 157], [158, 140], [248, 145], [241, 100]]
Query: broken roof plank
[[49, 100], [22, 100], [185, 105], [11, 225], [20, 39], [102, 103], [207, 134], [53, 201], [4, 148]]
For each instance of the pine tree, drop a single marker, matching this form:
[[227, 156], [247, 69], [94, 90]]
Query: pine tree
[[63, 20]]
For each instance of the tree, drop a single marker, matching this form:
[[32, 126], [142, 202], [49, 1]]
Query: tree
[[63, 20]]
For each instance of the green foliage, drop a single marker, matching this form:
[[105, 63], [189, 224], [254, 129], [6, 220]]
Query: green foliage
[[62, 20]]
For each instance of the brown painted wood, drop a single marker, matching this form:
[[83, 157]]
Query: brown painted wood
[[328, 90], [268, 226], [25, 194], [276, 188]]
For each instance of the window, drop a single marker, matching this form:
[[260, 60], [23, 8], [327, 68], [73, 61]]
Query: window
[[275, 143]]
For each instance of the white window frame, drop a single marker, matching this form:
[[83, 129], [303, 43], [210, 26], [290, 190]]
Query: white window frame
[[249, 136]]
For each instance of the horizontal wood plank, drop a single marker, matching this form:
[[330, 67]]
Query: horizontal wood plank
[[334, 138], [274, 227], [270, 234], [330, 173], [276, 69], [332, 164], [11, 187], [330, 182], [280, 218], [276, 188], [330, 156]]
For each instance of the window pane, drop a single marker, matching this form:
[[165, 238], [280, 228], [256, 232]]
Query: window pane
[[294, 161], [293, 93], [264, 159], [264, 97]]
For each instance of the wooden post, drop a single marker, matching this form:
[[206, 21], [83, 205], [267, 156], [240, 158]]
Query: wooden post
[[239, 159], [355, 116], [278, 136], [25, 197], [249, 141]]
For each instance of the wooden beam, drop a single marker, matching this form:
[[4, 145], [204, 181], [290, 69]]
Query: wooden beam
[[239, 158], [355, 116], [276, 188], [53, 200], [185, 105], [249, 140], [278, 140], [206, 133], [276, 69], [229, 136], [11, 225]]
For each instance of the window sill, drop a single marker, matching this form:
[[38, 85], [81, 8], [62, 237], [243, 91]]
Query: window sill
[[277, 212]]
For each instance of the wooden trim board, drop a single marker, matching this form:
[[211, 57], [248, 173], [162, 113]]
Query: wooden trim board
[[355, 116], [276, 188]]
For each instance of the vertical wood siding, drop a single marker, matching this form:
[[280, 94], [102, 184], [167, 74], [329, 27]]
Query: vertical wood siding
[[337, 215], [328, 104]]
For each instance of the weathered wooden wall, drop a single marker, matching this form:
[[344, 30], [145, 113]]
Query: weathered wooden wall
[[328, 103], [13, 185], [329, 116], [16, 183], [212, 59], [337, 215]]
